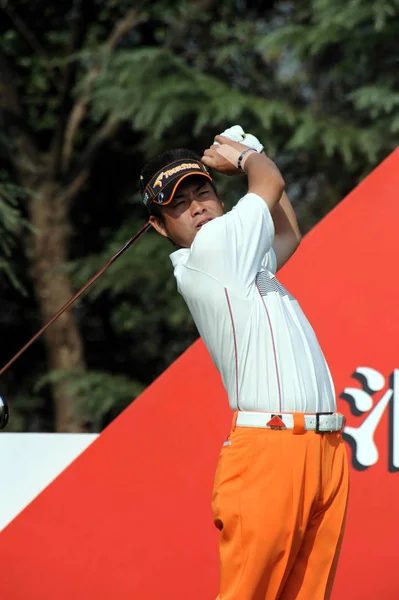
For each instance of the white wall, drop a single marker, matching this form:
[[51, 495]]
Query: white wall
[[29, 462]]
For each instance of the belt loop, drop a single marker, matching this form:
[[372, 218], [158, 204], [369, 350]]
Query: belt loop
[[299, 423], [233, 425]]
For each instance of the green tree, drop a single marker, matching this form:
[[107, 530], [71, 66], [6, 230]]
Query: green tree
[[11, 222], [94, 89], [52, 157]]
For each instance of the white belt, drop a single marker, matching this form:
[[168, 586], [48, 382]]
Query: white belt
[[318, 422]]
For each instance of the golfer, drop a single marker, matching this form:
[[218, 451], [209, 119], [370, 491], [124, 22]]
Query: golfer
[[281, 484]]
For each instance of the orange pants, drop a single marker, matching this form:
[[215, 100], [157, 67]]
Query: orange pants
[[280, 502]]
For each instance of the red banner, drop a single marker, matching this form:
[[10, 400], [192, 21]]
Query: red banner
[[131, 517]]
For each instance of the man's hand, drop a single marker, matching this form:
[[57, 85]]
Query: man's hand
[[264, 178], [213, 159], [237, 134]]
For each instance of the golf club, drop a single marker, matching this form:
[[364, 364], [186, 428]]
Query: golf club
[[4, 413]]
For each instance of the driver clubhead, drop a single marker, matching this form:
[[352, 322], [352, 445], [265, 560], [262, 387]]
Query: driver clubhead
[[3, 413]]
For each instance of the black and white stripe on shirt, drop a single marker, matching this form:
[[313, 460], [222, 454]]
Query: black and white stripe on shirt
[[267, 285]]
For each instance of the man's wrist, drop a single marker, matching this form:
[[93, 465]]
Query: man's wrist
[[236, 157], [243, 157], [249, 160]]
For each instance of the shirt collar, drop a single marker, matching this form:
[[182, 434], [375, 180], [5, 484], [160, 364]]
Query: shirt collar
[[177, 256]]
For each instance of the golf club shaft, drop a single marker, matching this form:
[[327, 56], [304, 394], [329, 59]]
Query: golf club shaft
[[76, 296]]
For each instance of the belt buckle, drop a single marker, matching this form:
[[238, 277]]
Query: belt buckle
[[276, 422], [317, 430]]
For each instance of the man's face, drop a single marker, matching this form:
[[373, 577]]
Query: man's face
[[194, 203]]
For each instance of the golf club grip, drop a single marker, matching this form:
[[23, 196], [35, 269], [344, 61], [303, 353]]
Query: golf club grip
[[76, 296]]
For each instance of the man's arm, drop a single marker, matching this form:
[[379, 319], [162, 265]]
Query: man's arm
[[244, 235], [287, 236], [265, 180]]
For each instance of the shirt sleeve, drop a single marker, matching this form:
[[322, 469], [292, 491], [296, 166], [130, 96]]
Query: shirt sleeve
[[233, 248]]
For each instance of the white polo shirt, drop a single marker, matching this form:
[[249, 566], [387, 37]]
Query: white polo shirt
[[259, 339]]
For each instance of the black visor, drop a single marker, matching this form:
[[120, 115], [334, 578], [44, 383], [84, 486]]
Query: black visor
[[162, 186]]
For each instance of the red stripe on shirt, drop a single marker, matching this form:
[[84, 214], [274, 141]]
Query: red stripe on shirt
[[274, 352], [235, 344]]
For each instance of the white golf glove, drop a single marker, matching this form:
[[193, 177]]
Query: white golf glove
[[237, 134]]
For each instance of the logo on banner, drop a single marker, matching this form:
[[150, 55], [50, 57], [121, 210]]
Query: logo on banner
[[362, 401]]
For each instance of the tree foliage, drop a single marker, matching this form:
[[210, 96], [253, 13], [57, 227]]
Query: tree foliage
[[11, 224], [91, 89]]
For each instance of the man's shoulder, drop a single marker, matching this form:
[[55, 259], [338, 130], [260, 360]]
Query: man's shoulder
[[211, 231], [209, 235], [253, 200]]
